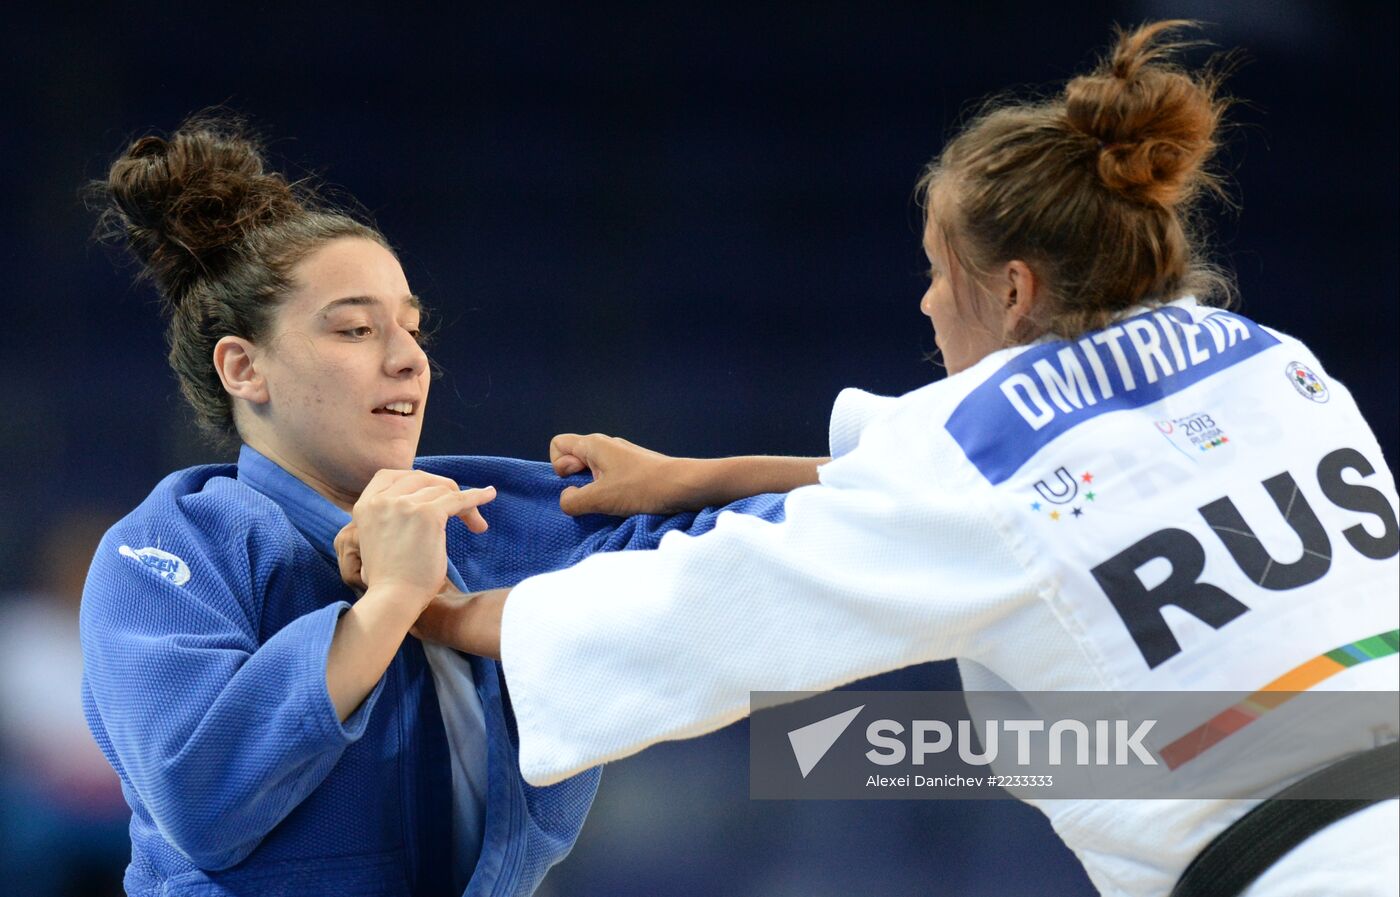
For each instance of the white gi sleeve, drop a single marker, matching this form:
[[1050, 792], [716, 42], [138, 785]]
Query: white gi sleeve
[[853, 410], [624, 650]]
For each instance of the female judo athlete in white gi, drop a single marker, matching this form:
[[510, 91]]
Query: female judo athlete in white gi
[[1106, 447], [273, 734]]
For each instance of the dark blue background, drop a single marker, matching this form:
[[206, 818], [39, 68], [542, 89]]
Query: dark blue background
[[688, 227]]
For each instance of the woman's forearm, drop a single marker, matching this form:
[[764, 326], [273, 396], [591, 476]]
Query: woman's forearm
[[469, 623], [366, 638], [629, 479], [719, 481]]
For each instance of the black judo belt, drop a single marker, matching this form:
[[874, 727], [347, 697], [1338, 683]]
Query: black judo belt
[[1259, 838]]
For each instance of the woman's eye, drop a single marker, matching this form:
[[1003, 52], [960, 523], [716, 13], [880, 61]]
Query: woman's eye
[[417, 335], [358, 332]]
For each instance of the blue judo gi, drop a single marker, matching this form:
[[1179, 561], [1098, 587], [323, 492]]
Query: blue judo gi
[[205, 624]]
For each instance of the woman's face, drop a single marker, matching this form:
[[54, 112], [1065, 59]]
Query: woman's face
[[962, 336], [346, 379]]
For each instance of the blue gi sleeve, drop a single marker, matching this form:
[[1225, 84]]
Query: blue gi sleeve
[[529, 534], [644, 531], [220, 729]]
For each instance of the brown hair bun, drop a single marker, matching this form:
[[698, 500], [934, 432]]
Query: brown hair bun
[[1155, 123], [220, 235], [182, 202], [1095, 188]]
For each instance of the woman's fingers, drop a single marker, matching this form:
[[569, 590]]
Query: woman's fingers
[[348, 537], [595, 498], [461, 504], [388, 479], [564, 444], [389, 484], [418, 487], [571, 453], [568, 465], [347, 552], [474, 521], [414, 481], [469, 514], [397, 528], [627, 479], [573, 501]]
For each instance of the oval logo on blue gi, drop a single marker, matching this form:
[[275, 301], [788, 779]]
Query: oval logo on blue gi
[[164, 563], [1308, 384]]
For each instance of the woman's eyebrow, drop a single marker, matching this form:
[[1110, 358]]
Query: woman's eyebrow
[[413, 302]]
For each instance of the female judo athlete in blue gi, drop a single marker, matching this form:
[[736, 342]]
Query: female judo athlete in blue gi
[[273, 734], [1117, 488]]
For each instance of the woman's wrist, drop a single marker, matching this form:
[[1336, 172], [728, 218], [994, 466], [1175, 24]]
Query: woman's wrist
[[704, 482], [410, 598], [468, 623], [366, 638], [394, 603], [481, 633], [692, 483]]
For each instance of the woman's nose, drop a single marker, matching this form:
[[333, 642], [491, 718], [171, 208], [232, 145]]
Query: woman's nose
[[406, 357]]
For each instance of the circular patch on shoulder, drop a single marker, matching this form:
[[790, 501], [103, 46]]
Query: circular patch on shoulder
[[1308, 384]]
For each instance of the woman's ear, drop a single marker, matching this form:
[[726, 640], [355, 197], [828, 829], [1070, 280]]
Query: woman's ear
[[235, 358], [1020, 298]]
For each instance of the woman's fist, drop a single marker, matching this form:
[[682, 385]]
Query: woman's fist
[[627, 479], [398, 531]]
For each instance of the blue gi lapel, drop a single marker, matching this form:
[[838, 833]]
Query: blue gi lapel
[[311, 513], [498, 865]]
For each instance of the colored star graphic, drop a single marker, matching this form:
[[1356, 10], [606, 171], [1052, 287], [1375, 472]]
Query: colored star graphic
[[1089, 495], [1054, 515], [1035, 506], [1079, 512], [1087, 477]]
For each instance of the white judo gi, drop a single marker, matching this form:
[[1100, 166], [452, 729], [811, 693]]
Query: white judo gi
[[1181, 501]]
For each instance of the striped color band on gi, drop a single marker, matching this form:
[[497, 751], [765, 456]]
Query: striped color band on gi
[[1300, 678]]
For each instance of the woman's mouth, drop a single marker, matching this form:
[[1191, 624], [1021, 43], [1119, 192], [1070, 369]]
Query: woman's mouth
[[401, 409]]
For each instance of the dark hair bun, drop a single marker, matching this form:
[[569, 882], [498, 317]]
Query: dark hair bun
[[1155, 124], [181, 203]]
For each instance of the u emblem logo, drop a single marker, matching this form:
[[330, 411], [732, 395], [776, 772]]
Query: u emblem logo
[[1062, 492]]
